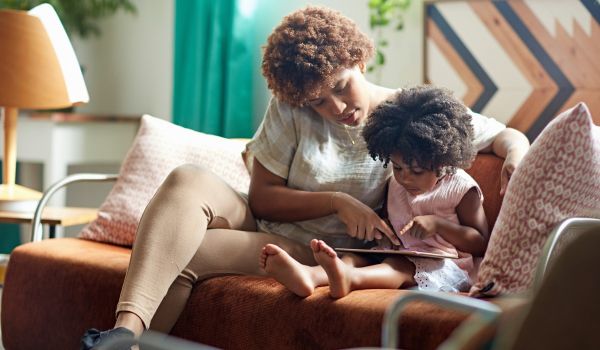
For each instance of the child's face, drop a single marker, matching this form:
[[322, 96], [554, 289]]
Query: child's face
[[415, 180], [347, 102]]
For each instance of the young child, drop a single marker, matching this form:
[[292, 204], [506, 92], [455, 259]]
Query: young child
[[427, 136]]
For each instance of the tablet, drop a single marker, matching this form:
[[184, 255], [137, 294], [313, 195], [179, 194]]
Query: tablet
[[421, 253]]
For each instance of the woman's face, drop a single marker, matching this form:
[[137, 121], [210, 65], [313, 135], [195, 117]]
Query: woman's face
[[414, 179], [347, 102]]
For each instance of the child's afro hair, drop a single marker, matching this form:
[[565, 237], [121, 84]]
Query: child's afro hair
[[425, 125]]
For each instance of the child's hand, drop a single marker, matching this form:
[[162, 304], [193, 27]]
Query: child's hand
[[421, 227]]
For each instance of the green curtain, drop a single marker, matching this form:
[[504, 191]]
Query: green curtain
[[213, 66], [11, 237]]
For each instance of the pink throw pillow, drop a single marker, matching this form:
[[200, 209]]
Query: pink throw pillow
[[158, 148], [558, 178]]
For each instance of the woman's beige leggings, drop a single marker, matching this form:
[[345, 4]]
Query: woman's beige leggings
[[195, 227]]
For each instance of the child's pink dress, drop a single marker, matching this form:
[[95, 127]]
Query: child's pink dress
[[435, 274]]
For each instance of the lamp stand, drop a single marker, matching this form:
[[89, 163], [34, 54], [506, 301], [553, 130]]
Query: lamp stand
[[13, 197]]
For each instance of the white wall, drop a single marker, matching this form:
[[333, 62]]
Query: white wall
[[129, 68]]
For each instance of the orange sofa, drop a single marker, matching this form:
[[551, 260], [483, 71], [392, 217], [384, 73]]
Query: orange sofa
[[57, 288]]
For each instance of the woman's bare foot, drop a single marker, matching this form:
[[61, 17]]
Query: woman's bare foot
[[337, 271], [286, 270]]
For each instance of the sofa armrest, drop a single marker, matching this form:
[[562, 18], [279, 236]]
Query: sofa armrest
[[36, 225]]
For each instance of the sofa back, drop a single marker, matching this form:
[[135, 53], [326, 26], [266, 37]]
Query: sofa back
[[486, 171]]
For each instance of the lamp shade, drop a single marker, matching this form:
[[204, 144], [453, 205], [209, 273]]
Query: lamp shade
[[38, 70], [38, 67]]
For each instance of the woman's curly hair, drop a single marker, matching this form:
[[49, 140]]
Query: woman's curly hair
[[425, 125], [307, 49]]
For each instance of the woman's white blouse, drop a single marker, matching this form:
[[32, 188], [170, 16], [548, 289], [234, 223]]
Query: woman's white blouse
[[314, 154]]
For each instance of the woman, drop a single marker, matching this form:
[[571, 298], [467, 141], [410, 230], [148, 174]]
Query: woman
[[312, 177]]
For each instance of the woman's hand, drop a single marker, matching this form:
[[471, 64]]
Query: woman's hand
[[508, 168], [360, 220], [511, 145], [421, 227]]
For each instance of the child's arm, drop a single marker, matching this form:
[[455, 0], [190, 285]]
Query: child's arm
[[470, 236]]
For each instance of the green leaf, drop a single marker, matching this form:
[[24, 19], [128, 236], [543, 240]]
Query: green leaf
[[387, 7], [379, 58], [384, 13], [373, 21], [374, 4]]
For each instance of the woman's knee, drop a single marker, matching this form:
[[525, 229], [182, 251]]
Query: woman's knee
[[188, 177]]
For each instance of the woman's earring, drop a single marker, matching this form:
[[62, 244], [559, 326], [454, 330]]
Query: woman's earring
[[362, 68]]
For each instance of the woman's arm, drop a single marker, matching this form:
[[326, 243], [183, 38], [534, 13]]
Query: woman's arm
[[270, 199], [470, 236], [511, 145]]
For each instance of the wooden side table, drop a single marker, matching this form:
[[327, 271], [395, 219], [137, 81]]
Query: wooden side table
[[53, 216]]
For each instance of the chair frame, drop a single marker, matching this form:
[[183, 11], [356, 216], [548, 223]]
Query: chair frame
[[37, 232], [485, 314]]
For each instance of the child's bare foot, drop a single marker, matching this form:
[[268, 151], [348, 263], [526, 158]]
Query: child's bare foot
[[286, 270], [337, 271]]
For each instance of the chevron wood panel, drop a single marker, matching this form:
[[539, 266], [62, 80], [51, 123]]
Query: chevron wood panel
[[520, 61]]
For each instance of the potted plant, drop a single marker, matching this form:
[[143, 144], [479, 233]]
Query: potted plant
[[383, 14]]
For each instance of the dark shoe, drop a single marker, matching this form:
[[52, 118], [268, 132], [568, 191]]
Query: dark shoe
[[94, 339]]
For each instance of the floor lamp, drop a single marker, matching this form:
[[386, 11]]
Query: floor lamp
[[38, 70]]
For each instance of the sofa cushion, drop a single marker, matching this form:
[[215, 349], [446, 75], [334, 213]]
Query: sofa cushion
[[158, 148], [559, 177], [77, 283]]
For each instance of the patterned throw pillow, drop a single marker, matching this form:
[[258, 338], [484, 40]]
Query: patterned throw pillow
[[158, 148], [558, 178]]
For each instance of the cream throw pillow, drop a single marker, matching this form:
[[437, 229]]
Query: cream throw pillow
[[558, 178], [158, 148]]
